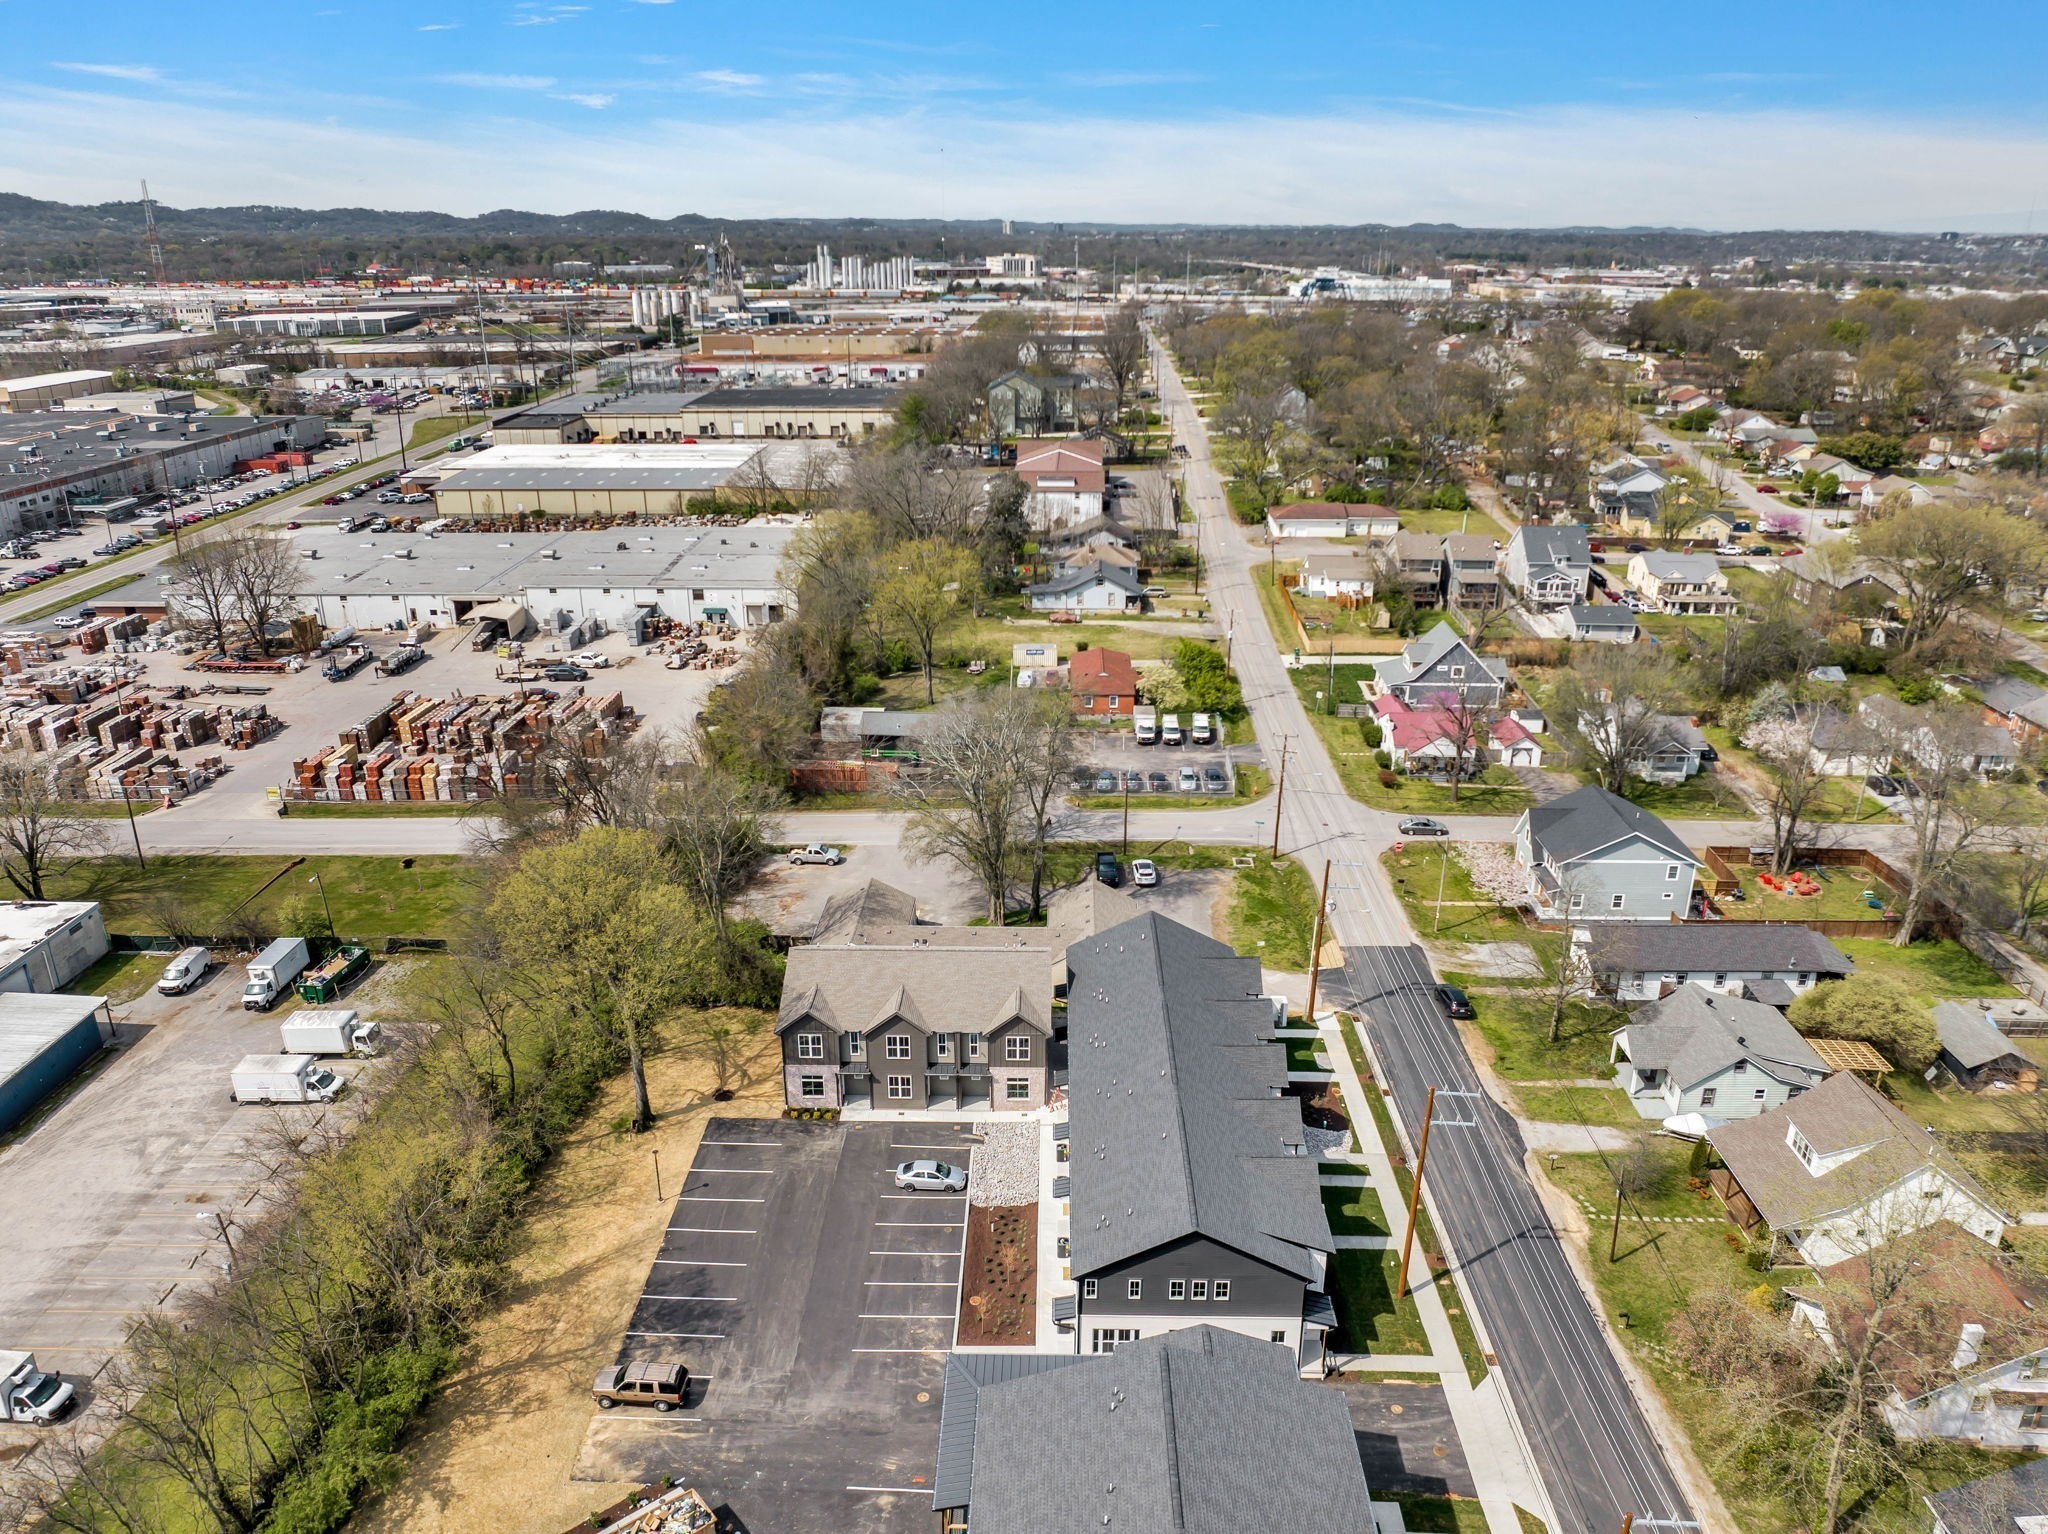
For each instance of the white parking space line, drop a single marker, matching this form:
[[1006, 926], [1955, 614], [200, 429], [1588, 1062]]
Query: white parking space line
[[716, 1230], [917, 1224], [736, 1171], [661, 1421], [949, 1256], [771, 1144], [925, 1197], [899, 1315], [709, 1299], [693, 1262], [934, 1352], [909, 1283], [959, 1145], [705, 1198], [908, 1491], [699, 1336]]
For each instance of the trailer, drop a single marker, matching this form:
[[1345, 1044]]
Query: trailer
[[347, 662], [330, 977], [401, 660]]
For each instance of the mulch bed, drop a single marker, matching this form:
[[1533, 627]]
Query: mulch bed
[[1322, 1105], [999, 1277]]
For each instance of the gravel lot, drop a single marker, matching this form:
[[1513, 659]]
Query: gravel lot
[[1006, 1165]]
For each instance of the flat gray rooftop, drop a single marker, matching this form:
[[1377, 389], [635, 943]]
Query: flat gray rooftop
[[504, 564]]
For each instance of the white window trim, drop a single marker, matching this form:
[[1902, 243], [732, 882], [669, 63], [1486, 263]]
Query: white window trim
[[1201, 1289], [1134, 1289], [1221, 1290], [1176, 1288], [856, 1047], [1017, 1049], [890, 1049], [909, 1088], [810, 1046], [1087, 1288]]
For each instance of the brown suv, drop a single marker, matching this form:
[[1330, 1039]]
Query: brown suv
[[657, 1385]]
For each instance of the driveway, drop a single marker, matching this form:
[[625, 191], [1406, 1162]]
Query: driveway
[[814, 1304], [1406, 1438]]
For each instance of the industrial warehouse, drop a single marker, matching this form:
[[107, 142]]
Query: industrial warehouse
[[727, 575], [673, 415], [632, 479]]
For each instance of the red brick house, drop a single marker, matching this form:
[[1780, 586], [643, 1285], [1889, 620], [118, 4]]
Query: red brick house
[[1104, 683]]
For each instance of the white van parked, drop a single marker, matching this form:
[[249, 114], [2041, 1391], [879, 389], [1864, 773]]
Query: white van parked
[[184, 972]]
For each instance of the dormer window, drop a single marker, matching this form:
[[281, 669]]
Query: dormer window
[[1808, 1156], [944, 1044]]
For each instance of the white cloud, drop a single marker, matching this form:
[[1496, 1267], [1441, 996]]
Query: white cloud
[[1124, 79], [597, 101], [727, 80], [440, 26], [143, 74], [1369, 163], [499, 82]]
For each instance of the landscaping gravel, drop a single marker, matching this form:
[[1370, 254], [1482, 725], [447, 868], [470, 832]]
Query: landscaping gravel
[[1320, 1140], [1006, 1165]]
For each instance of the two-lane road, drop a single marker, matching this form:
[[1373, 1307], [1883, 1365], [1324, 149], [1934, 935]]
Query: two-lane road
[[1590, 1442]]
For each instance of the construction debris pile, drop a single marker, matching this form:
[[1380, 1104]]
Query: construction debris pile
[[459, 749], [690, 646], [107, 738]]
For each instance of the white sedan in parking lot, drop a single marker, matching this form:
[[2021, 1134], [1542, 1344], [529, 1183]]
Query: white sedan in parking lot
[[931, 1177]]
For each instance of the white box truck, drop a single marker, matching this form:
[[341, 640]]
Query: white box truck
[[1146, 718], [284, 1079], [1169, 730], [334, 1032], [272, 972], [184, 972], [1205, 730], [29, 1395]]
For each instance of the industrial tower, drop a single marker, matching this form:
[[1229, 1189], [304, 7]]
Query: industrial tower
[[156, 248]]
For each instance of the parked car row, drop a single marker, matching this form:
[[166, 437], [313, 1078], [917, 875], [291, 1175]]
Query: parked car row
[[1188, 780]]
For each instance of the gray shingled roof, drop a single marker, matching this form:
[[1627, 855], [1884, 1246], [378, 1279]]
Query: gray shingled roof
[[1085, 576], [1555, 545], [1197, 1431], [1590, 818], [1971, 1037], [1695, 1033], [1179, 1122], [1427, 651], [1840, 1114], [1678, 947], [1996, 1503]]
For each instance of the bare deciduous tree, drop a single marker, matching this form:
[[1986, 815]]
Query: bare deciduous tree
[[1795, 782], [1613, 709], [40, 833]]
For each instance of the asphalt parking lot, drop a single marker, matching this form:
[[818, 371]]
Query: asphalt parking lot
[[814, 1304], [1406, 1437], [113, 1203]]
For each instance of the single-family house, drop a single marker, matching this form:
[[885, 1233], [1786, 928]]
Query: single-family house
[[2017, 706], [1977, 1054], [1195, 1198], [1770, 962], [1346, 574], [1431, 740], [882, 1011], [1064, 481], [1439, 664], [1097, 532], [1814, 574], [1702, 1051], [1963, 1349], [1636, 510], [1673, 752], [1838, 1170], [1688, 584], [1092, 588], [1983, 749], [1630, 475], [1884, 486], [1608, 623], [1198, 1431], [1845, 745], [1029, 405], [1549, 566], [1419, 562], [2013, 1501], [1472, 572], [1591, 855], [1331, 519], [1749, 428], [1682, 399], [1104, 683], [1101, 553]]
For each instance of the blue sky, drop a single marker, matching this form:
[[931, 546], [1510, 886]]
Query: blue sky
[[1809, 114]]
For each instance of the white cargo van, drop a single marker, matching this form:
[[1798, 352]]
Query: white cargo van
[[184, 972], [1205, 730], [1169, 730]]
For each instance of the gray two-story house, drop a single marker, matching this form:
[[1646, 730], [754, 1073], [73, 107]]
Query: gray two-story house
[[880, 1011], [1440, 665], [1418, 560], [1031, 404], [1701, 1051], [1592, 855], [1549, 566], [1471, 572], [1194, 1196]]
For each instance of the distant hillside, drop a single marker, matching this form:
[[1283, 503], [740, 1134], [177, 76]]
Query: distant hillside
[[48, 241]]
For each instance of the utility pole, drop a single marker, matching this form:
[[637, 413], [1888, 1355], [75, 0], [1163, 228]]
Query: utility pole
[[1315, 946], [1415, 1195], [1280, 796], [1614, 1239], [1127, 817]]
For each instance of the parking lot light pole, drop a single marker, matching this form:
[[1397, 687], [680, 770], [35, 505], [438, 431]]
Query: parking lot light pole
[[316, 881]]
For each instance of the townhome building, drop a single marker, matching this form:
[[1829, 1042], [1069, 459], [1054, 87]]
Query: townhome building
[[1471, 572]]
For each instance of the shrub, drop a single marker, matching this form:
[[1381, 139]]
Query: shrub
[[1879, 1012], [1383, 759], [1389, 779], [1918, 690], [1373, 735]]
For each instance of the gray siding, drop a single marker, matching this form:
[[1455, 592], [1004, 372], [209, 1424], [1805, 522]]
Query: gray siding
[[1255, 1288]]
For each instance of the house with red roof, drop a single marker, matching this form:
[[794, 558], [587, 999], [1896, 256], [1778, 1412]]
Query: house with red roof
[[1104, 683], [1428, 738], [1065, 480], [1331, 519]]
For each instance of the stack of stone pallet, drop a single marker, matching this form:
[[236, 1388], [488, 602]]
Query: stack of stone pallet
[[70, 710], [421, 747]]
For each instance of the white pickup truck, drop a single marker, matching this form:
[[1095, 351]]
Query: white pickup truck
[[817, 852], [29, 1395]]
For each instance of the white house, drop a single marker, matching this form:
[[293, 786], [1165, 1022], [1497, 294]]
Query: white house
[[1770, 962], [1691, 584], [1838, 1170], [1093, 588], [1064, 479], [1702, 1051], [1343, 574], [1331, 519], [1883, 731], [1966, 1351], [1609, 623], [1549, 566], [1431, 739]]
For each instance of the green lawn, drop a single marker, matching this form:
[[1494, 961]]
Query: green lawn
[[430, 809], [1368, 1319], [1496, 792], [1272, 914], [120, 976], [1517, 1027], [433, 428], [1949, 1107], [1344, 682], [1933, 970], [1420, 869], [371, 897], [1301, 1055], [1425, 1514], [1606, 1106], [1355, 1212], [1844, 799], [1840, 897], [1707, 796]]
